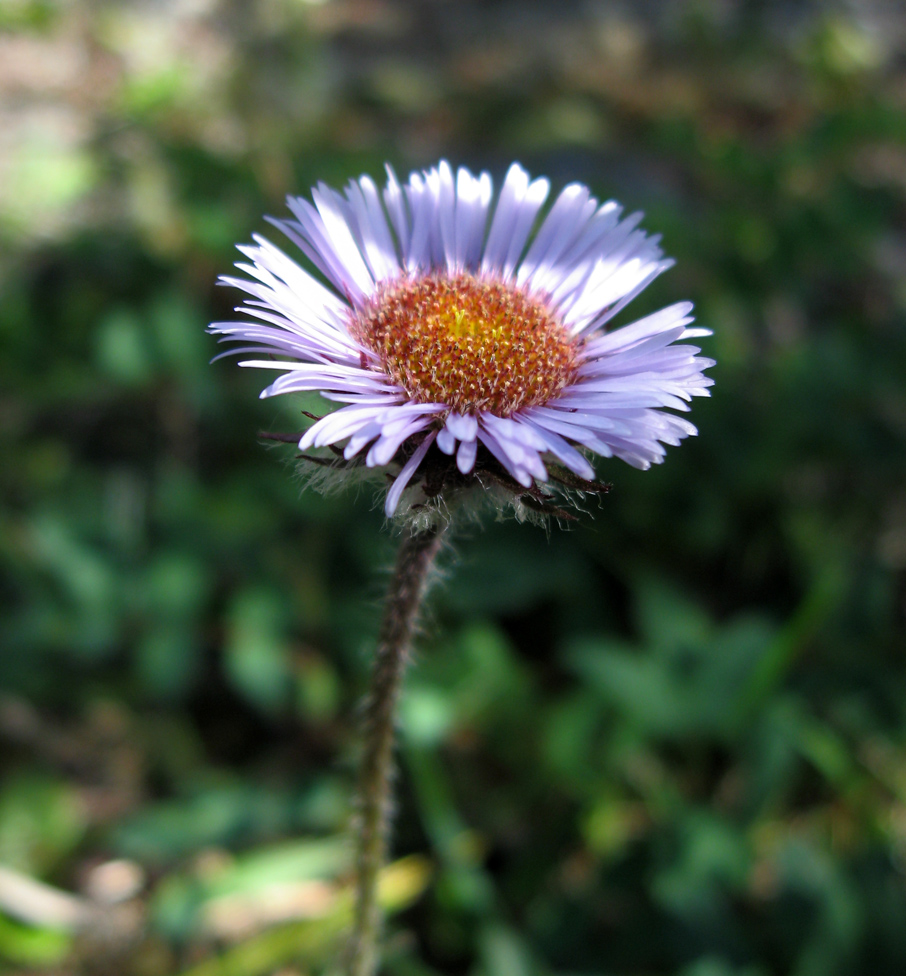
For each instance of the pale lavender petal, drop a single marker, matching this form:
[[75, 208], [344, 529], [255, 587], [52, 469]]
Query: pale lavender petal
[[512, 429], [464, 427], [392, 425], [516, 469], [641, 280], [421, 205], [297, 382], [598, 236], [336, 250], [629, 335], [396, 416], [565, 453], [376, 243], [557, 411], [518, 442], [446, 441], [297, 233], [646, 355], [607, 287], [388, 444], [361, 438], [514, 216], [271, 294], [622, 259], [335, 213], [405, 475], [442, 184], [395, 201], [465, 456], [569, 425], [388, 399], [316, 369], [472, 199], [337, 425], [306, 289], [567, 219], [500, 235]]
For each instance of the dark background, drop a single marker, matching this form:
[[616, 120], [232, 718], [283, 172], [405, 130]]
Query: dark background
[[666, 742]]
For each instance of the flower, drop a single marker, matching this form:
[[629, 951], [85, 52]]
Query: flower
[[444, 324]]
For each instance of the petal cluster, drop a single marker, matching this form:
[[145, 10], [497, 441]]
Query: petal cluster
[[584, 263]]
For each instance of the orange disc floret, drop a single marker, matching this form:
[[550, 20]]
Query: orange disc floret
[[471, 343]]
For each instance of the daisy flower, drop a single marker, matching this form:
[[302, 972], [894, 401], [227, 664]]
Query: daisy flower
[[450, 328]]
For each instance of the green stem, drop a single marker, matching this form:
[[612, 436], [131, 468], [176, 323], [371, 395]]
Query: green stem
[[407, 588]]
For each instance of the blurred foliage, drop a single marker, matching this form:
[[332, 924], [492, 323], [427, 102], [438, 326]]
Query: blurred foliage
[[670, 742]]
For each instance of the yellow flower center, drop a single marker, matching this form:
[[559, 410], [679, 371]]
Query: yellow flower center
[[467, 342]]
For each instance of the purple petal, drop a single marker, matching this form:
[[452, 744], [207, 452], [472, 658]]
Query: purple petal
[[405, 475], [465, 456]]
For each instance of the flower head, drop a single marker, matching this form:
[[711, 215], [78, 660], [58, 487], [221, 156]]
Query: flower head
[[449, 330]]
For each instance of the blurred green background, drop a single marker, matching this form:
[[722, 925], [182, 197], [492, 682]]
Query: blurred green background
[[668, 742]]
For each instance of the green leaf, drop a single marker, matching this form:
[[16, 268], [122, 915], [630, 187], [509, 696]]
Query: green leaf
[[25, 946], [257, 656], [41, 822]]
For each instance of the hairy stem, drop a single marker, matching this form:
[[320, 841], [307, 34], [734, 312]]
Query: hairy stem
[[407, 588]]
